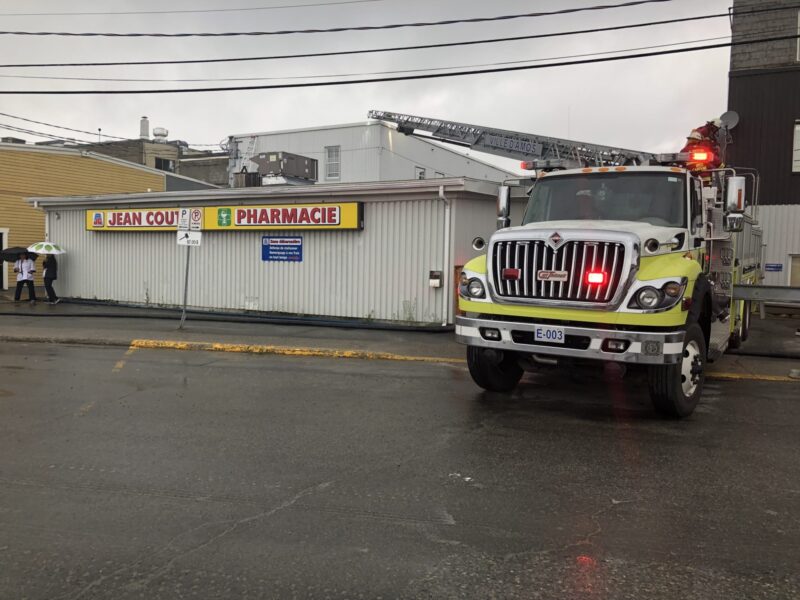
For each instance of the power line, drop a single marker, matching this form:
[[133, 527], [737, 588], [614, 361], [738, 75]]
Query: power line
[[61, 127], [397, 48], [175, 12], [401, 77], [308, 76], [41, 134], [360, 74], [562, 11]]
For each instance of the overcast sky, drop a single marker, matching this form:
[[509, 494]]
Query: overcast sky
[[648, 104]]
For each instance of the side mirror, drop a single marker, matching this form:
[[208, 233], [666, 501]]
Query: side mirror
[[478, 244], [503, 207], [735, 201], [733, 222]]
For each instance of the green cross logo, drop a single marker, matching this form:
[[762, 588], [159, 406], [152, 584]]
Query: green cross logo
[[224, 217]]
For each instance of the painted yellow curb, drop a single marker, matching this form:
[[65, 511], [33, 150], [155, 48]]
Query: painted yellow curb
[[750, 377], [287, 351], [367, 355]]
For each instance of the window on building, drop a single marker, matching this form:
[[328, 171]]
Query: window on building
[[419, 173], [165, 164], [333, 162], [796, 148]]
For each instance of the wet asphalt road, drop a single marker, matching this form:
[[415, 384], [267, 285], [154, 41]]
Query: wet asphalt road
[[194, 475]]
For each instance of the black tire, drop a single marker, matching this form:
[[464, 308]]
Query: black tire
[[493, 370], [667, 391], [746, 321]]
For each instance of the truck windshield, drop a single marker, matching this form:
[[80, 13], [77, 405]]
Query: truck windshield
[[655, 198]]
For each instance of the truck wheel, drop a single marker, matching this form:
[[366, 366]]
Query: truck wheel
[[746, 321], [737, 337], [493, 370], [675, 389]]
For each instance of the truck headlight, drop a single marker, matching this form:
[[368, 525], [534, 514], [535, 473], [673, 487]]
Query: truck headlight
[[673, 289], [475, 288], [651, 298], [648, 298], [471, 287]]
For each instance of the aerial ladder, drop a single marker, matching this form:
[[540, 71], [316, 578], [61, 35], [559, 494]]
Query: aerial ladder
[[537, 151]]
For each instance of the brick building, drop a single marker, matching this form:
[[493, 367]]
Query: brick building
[[764, 88]]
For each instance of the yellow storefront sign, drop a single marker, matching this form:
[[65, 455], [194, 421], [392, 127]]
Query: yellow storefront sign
[[345, 215], [325, 216]]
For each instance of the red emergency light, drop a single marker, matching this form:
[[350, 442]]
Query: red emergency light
[[595, 277], [701, 156], [511, 274]]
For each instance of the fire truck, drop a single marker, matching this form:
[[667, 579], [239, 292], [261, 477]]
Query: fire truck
[[621, 256]]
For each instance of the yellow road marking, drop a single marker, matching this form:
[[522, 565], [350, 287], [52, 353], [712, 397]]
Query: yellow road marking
[[367, 355], [287, 351], [121, 363]]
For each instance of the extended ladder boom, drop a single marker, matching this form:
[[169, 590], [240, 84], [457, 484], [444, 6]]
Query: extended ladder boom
[[512, 144]]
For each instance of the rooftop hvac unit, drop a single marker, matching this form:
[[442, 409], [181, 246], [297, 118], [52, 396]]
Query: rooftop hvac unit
[[286, 164], [160, 134]]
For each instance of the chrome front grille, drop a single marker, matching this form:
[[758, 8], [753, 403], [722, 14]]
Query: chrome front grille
[[576, 258]]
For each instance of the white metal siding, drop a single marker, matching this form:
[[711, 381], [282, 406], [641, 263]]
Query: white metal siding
[[402, 153], [360, 149], [369, 152], [380, 272], [781, 223]]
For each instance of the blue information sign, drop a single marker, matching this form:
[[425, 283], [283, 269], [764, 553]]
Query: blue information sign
[[773, 267], [282, 249]]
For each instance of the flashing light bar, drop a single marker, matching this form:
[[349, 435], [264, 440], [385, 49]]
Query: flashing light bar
[[701, 156], [543, 165]]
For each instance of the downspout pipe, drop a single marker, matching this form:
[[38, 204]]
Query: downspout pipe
[[446, 270]]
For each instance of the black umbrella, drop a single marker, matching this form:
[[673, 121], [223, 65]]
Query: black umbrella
[[12, 254]]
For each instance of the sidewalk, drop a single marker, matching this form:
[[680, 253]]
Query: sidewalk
[[67, 323], [117, 326]]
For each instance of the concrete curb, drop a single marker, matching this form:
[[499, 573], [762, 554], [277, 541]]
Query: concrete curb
[[65, 340]]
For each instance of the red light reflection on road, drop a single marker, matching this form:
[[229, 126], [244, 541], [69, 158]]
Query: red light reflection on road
[[588, 579], [586, 561]]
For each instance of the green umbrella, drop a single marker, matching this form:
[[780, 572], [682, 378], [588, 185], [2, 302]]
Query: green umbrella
[[46, 248]]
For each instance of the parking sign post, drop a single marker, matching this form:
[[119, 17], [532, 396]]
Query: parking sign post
[[189, 226]]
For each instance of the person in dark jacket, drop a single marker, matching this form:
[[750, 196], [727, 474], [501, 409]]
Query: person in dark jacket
[[50, 275]]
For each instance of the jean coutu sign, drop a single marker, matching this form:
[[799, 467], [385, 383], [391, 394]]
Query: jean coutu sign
[[325, 216]]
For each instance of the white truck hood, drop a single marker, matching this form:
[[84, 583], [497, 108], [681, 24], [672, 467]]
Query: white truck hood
[[644, 231]]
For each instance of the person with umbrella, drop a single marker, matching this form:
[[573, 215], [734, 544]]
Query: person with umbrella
[[24, 267], [50, 266]]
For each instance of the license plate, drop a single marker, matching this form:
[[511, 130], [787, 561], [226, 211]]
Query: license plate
[[552, 276], [550, 335]]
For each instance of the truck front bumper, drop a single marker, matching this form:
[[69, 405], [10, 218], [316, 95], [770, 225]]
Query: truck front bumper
[[642, 347]]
